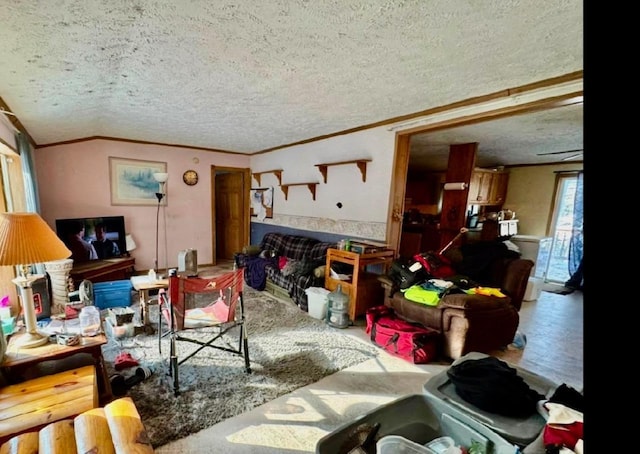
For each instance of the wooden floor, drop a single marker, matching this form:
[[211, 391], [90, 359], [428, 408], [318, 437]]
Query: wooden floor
[[554, 327]]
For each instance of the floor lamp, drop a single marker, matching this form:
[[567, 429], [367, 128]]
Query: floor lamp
[[25, 239], [161, 178]]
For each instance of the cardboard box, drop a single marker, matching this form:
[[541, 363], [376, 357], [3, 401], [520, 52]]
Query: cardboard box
[[118, 316], [119, 332]]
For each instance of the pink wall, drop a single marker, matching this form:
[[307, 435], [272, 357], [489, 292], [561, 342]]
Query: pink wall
[[73, 181]]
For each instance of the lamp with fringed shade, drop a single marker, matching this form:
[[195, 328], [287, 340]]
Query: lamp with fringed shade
[[25, 239]]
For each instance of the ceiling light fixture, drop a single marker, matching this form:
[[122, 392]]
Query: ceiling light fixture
[[561, 152], [573, 156]]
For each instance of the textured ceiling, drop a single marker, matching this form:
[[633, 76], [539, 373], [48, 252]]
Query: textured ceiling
[[554, 135], [250, 75]]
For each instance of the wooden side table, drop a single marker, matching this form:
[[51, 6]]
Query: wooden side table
[[17, 360], [142, 284], [363, 289]]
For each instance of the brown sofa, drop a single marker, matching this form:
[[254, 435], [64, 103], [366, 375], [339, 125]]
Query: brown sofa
[[471, 322]]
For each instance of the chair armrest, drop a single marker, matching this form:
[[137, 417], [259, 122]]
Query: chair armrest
[[252, 249], [515, 280], [240, 258], [472, 302], [388, 285]]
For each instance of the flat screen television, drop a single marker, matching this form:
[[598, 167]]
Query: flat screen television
[[114, 225]]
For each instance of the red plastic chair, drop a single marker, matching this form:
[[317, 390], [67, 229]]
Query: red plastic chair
[[221, 308]]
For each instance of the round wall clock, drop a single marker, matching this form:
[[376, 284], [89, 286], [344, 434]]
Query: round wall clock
[[190, 177]]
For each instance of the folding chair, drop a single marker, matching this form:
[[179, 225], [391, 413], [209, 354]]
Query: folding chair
[[195, 302]]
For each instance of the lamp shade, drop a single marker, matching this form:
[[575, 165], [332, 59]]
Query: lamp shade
[[131, 244], [26, 239], [161, 177]]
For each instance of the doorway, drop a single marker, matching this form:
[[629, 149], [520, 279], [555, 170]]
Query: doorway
[[471, 112], [562, 227], [230, 211]]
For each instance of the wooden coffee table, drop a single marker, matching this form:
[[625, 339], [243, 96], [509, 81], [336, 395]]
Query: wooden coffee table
[[18, 360]]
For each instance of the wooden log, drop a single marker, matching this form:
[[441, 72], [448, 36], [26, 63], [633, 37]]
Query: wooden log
[[57, 438], [42, 400], [26, 443], [92, 433], [127, 431]]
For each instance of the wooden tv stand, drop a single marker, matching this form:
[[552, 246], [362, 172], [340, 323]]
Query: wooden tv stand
[[103, 270]]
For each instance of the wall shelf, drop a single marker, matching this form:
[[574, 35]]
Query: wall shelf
[[276, 172], [311, 186], [361, 163]]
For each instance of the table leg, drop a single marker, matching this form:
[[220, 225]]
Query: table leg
[[104, 385], [144, 311]]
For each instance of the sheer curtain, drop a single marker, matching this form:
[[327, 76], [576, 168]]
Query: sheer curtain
[[28, 172], [30, 182], [576, 244]]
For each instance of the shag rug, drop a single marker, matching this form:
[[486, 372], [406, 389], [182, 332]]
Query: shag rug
[[288, 349]]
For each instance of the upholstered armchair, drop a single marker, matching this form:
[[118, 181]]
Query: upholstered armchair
[[471, 322]]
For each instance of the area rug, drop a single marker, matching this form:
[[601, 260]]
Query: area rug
[[288, 349]]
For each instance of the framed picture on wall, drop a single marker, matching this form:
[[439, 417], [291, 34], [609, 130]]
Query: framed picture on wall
[[132, 181], [262, 203]]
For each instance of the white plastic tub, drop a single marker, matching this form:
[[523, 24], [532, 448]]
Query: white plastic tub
[[415, 422], [317, 302], [534, 288], [395, 444]]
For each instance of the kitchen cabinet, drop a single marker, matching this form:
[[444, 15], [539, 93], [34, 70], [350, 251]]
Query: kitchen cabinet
[[363, 289], [488, 187], [498, 191]]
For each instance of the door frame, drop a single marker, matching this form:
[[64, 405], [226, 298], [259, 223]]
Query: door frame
[[246, 186], [548, 99]]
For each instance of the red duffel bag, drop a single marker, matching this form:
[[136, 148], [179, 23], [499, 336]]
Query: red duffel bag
[[410, 341]]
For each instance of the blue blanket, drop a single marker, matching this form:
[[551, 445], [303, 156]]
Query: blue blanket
[[255, 273]]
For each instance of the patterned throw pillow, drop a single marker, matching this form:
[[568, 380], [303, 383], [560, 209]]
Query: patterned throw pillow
[[290, 267]]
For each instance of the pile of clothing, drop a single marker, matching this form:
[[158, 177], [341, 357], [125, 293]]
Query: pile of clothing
[[492, 385]]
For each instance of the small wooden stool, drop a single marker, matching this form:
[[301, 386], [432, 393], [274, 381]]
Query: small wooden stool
[[35, 403]]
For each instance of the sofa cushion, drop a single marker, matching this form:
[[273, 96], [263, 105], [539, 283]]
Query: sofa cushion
[[473, 302], [429, 316]]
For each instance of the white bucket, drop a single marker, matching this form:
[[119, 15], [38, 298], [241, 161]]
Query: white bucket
[[317, 302], [534, 288]]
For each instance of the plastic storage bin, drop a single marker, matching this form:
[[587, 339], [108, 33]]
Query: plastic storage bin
[[112, 294], [441, 393], [317, 302], [415, 418], [395, 444], [534, 288]]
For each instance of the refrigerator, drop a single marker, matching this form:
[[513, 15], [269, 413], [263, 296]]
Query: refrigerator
[[538, 249]]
